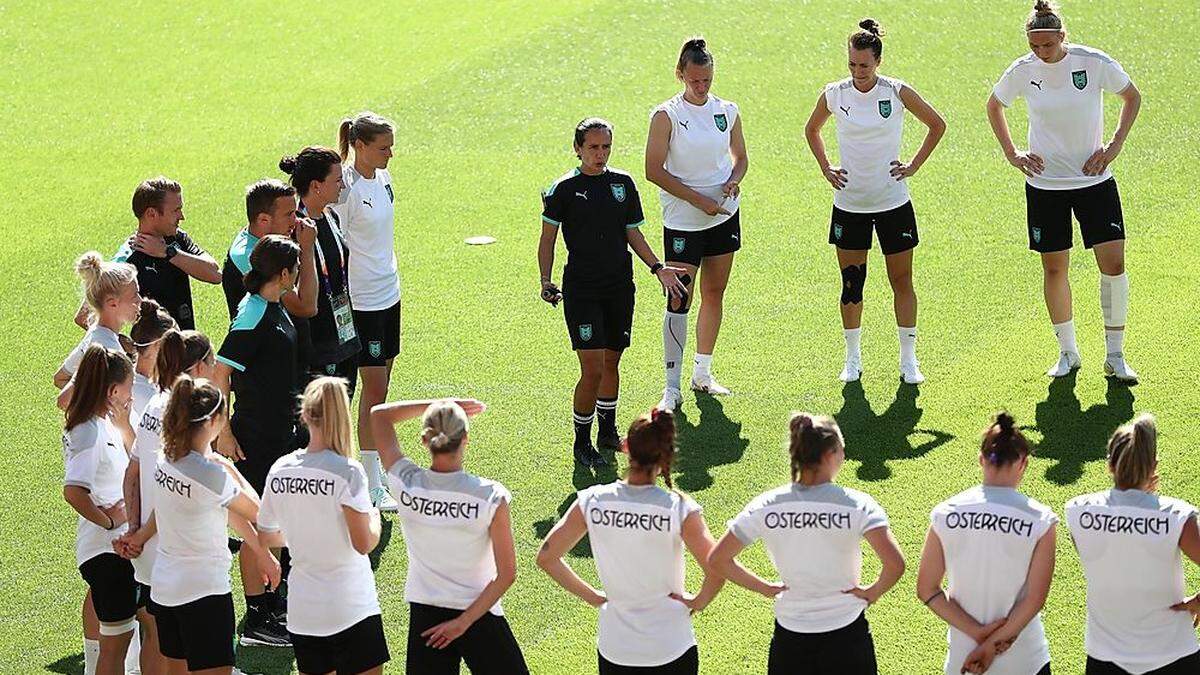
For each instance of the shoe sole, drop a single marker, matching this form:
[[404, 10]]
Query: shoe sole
[[390, 508], [710, 392], [1109, 372], [853, 379], [251, 642]]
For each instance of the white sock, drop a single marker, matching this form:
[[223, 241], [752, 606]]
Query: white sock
[[1114, 341], [1065, 332], [908, 344], [674, 340], [702, 367], [853, 343], [370, 462], [91, 656], [133, 654]]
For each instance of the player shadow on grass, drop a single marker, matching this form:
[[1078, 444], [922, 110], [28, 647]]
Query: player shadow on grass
[[1074, 436], [712, 441], [385, 538], [72, 664], [875, 439], [581, 477]]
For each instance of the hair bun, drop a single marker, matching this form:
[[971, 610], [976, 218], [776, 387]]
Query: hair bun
[[697, 43], [1043, 8], [288, 164], [89, 263], [1005, 421], [149, 307], [871, 26]]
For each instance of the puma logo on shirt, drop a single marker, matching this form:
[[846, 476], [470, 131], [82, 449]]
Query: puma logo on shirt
[[845, 110], [1104, 522], [1116, 225], [367, 203], [684, 124], [582, 194], [907, 235], [1037, 84]]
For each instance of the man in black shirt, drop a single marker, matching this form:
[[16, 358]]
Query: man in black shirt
[[599, 212]]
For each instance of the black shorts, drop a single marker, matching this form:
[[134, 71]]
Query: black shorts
[[1096, 207], [1188, 665], [691, 247], [595, 322], [199, 632], [688, 664], [143, 595], [849, 650], [261, 456], [897, 229], [379, 331], [488, 646], [347, 370], [356, 649], [114, 590]]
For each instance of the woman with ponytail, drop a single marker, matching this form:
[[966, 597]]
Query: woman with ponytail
[[110, 291], [196, 494], [995, 548], [812, 529], [94, 455], [366, 213], [1130, 540], [638, 531], [316, 503], [147, 333], [870, 188], [458, 531]]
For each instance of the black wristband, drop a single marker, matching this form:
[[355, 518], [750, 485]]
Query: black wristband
[[656, 267], [934, 597]]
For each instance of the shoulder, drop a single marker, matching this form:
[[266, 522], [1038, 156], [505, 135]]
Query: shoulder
[[669, 107], [1090, 499], [893, 83], [1178, 506], [769, 498], [566, 177], [725, 104], [204, 471], [250, 312], [488, 489], [861, 499], [384, 176], [967, 496], [1038, 509], [839, 85], [1021, 63], [1089, 53], [625, 176], [124, 252], [84, 436]]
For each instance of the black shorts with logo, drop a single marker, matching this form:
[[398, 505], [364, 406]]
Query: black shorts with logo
[[1096, 207], [114, 590], [199, 632], [599, 321], [692, 247], [897, 229], [849, 650], [356, 649], [346, 369], [379, 331]]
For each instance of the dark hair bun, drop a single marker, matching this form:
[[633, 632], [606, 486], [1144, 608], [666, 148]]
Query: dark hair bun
[[1005, 422], [1043, 7], [288, 164], [697, 43], [871, 26], [148, 308]]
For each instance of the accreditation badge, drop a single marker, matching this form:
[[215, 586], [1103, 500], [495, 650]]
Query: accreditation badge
[[343, 318]]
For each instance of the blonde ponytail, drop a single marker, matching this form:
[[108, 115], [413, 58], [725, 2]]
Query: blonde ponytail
[[325, 406]]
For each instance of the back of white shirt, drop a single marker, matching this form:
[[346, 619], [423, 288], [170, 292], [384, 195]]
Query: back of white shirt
[[95, 460], [988, 535], [143, 391], [367, 214], [445, 517], [635, 533], [190, 501], [869, 127], [331, 586], [1128, 541], [147, 450], [813, 535], [1066, 111], [96, 334], [698, 155]]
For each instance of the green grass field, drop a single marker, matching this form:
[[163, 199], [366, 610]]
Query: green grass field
[[485, 96]]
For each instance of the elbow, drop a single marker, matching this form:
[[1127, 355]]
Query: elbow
[[212, 274], [717, 565], [364, 546], [506, 577], [545, 559]]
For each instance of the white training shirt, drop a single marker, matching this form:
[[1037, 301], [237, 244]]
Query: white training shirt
[[445, 518], [869, 126], [143, 390], [988, 535], [813, 535], [1066, 111], [698, 155], [96, 334], [147, 450], [331, 586], [367, 214], [636, 537], [95, 459], [190, 502], [1128, 541]]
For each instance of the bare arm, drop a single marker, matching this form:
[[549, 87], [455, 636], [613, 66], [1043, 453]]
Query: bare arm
[[1189, 543], [385, 417], [545, 252], [201, 267], [1131, 103], [243, 512], [936, 129], [226, 444], [1029, 163], [61, 379], [723, 561], [131, 488], [741, 159], [364, 529], [816, 145], [657, 144], [699, 542], [884, 544], [82, 315], [929, 591], [80, 499], [566, 533], [303, 303]]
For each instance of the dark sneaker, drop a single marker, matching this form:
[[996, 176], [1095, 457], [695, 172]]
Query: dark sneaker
[[263, 630], [608, 438], [595, 459]]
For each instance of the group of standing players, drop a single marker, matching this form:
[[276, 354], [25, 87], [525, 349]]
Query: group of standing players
[[169, 440]]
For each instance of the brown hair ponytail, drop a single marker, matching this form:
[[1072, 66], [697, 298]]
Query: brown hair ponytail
[[100, 370], [193, 403], [809, 438], [869, 36], [1003, 443], [1133, 454], [153, 322], [180, 351], [651, 442]]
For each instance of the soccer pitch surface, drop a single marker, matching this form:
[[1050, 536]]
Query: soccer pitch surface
[[485, 96]]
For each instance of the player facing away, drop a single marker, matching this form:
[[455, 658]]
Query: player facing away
[[1067, 171], [696, 155], [1129, 539], [870, 188], [600, 214], [995, 548], [813, 529]]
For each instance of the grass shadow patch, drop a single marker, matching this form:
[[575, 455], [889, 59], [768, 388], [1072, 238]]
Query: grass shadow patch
[[71, 664], [581, 477], [874, 439], [712, 441], [1073, 436]]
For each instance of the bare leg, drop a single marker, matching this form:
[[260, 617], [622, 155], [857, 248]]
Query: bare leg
[[714, 277]]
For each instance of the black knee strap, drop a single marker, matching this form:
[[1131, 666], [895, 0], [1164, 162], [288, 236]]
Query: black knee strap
[[680, 305], [854, 279]]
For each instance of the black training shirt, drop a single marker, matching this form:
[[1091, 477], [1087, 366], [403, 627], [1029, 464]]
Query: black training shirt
[[261, 349], [160, 280], [594, 213]]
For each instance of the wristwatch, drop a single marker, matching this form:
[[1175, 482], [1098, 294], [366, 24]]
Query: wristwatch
[[656, 267], [171, 250]]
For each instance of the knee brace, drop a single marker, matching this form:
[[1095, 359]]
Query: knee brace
[[680, 305], [854, 279], [120, 628], [1114, 299]]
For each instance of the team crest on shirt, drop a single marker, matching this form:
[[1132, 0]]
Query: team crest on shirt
[[1037, 234], [722, 122], [585, 331], [331, 369], [677, 244], [618, 191], [375, 348], [885, 109], [1079, 79]]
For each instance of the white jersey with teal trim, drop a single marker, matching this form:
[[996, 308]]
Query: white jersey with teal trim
[[331, 586], [1128, 542], [97, 334], [446, 519], [636, 534], [1066, 111], [988, 535], [813, 535], [95, 460], [147, 450], [698, 155], [869, 128], [367, 214]]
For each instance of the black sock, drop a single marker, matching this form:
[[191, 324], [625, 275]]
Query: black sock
[[583, 428], [606, 415], [260, 603]]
